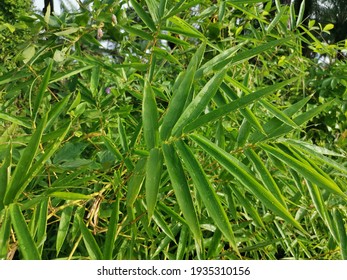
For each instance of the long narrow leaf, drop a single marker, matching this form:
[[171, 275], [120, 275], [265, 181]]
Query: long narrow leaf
[[207, 193], [42, 89], [90, 242], [150, 117], [235, 105], [182, 192], [305, 170], [112, 231], [153, 176], [24, 163], [63, 228], [26, 243], [180, 96], [199, 103], [237, 169], [143, 15], [5, 230]]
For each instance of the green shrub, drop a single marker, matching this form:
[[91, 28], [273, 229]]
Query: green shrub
[[173, 143]]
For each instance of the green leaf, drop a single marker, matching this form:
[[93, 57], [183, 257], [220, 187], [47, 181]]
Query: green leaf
[[70, 196], [136, 181], [206, 192], [305, 170], [5, 173], [41, 234], [241, 172], [158, 219], [67, 31], [265, 175], [112, 231], [138, 32], [199, 103], [5, 230], [42, 89], [15, 119], [150, 117], [90, 242], [143, 15], [328, 27], [342, 232], [234, 105], [24, 164], [178, 101], [153, 176], [218, 62], [186, 28], [278, 114], [26, 243], [63, 228], [182, 192]]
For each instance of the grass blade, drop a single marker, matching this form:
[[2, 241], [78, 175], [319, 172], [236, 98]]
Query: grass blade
[[26, 243]]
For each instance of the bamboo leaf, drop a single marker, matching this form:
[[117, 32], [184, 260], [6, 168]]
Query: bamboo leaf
[[153, 176], [90, 242], [199, 103], [163, 225], [63, 228], [41, 234], [42, 89], [265, 175], [248, 206], [180, 95], [135, 182], [26, 243], [239, 171], [143, 15], [24, 164], [112, 231], [234, 105], [182, 192], [342, 232], [305, 170], [70, 196], [5, 230], [186, 27], [218, 62], [150, 117], [207, 193]]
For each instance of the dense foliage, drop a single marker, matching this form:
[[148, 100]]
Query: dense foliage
[[174, 130]]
